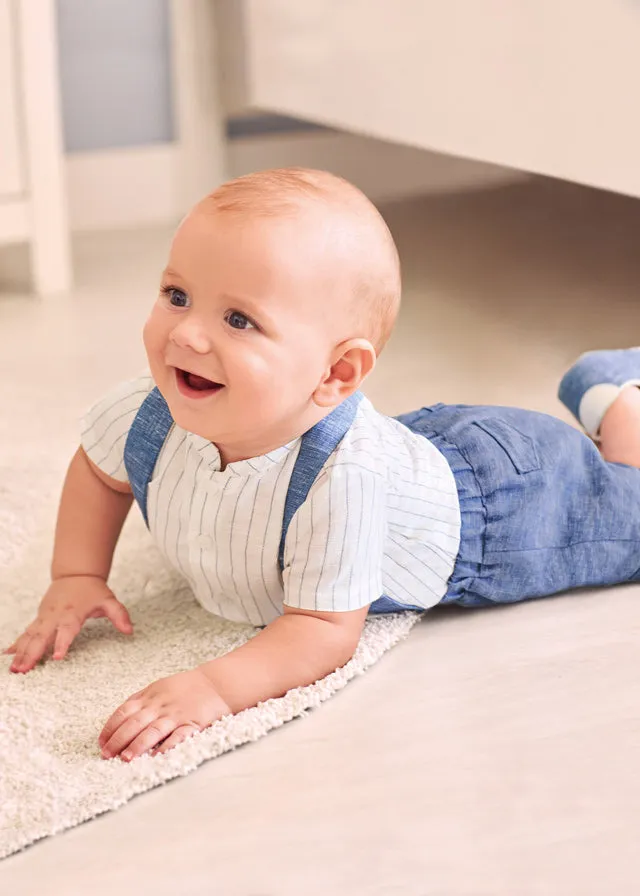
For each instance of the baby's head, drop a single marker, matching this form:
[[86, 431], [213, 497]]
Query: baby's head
[[281, 289]]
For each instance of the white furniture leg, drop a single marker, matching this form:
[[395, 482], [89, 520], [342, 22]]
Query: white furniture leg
[[47, 211], [199, 115]]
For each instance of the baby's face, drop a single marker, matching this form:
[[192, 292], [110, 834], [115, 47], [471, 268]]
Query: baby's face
[[243, 329]]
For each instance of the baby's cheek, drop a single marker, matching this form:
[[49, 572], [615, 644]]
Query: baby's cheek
[[148, 335], [264, 384], [275, 376], [154, 337], [257, 368]]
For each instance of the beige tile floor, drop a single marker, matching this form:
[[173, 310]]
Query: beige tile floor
[[493, 754]]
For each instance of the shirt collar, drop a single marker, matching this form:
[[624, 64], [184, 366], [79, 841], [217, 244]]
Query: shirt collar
[[243, 468]]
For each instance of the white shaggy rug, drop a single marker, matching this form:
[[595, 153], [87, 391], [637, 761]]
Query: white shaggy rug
[[51, 773]]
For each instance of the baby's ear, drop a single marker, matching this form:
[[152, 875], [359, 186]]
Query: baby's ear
[[351, 362]]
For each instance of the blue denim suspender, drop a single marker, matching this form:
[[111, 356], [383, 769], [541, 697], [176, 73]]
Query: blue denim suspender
[[315, 449], [146, 437]]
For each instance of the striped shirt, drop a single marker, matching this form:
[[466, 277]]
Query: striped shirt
[[381, 518]]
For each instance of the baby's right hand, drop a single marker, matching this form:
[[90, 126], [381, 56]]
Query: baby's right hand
[[68, 603]]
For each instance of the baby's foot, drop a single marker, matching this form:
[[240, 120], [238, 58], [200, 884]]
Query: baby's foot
[[620, 429]]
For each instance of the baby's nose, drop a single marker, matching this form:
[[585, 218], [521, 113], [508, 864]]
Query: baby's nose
[[192, 335]]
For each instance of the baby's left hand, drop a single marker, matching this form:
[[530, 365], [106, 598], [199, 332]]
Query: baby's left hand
[[169, 710]]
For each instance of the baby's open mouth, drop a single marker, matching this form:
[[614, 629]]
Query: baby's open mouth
[[194, 385]]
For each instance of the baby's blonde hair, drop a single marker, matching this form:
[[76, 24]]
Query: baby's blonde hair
[[363, 239]]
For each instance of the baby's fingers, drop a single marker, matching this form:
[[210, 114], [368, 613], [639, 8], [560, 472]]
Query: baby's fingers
[[11, 649], [118, 615], [30, 648], [67, 630], [181, 733]]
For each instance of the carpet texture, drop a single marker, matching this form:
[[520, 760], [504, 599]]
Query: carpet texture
[[51, 773]]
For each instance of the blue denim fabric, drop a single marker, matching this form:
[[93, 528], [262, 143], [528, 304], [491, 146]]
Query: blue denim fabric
[[144, 442], [541, 510], [592, 368]]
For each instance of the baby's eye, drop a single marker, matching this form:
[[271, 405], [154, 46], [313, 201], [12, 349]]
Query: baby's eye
[[176, 297], [239, 321]]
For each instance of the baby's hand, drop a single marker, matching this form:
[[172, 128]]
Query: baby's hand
[[64, 609], [167, 711]]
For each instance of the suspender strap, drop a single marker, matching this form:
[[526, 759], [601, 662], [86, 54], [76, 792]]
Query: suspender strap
[[315, 449], [144, 442]]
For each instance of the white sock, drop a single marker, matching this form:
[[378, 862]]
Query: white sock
[[595, 403]]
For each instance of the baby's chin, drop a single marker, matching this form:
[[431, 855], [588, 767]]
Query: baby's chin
[[209, 423], [193, 420]]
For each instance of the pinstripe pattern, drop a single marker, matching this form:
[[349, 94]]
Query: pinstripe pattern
[[375, 522]]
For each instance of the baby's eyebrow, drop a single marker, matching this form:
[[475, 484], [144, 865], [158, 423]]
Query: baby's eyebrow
[[239, 300], [169, 272]]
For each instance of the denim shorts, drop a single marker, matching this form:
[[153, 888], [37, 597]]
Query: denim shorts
[[541, 510]]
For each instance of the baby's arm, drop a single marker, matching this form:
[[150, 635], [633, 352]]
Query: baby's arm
[[93, 508], [294, 650]]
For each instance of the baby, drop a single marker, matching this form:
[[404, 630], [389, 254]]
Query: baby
[[284, 498]]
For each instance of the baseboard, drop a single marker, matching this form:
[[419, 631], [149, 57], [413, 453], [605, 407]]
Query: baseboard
[[132, 187]]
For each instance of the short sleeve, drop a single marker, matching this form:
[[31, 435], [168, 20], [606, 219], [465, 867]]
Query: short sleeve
[[106, 425], [335, 542]]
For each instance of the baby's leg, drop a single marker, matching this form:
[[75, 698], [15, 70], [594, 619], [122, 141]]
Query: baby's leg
[[620, 429]]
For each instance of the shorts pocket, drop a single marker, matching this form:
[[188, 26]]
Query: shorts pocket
[[519, 447]]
